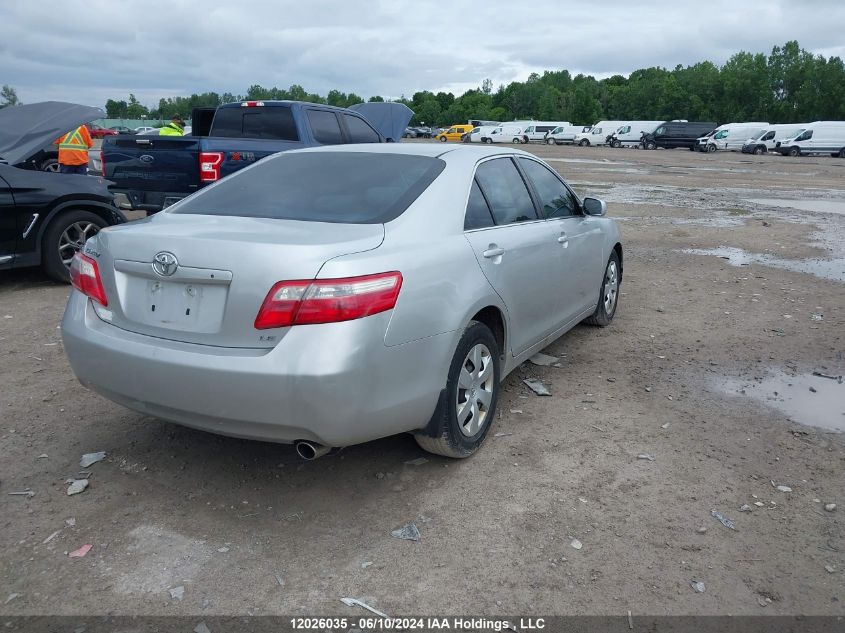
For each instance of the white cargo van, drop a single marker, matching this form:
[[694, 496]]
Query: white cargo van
[[564, 134], [598, 133], [730, 136], [765, 140], [819, 137], [632, 132], [477, 133], [537, 130], [505, 133]]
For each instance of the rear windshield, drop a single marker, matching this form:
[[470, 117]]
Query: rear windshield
[[340, 187], [269, 122]]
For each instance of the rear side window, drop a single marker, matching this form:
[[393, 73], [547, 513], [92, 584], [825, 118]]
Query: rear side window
[[505, 191], [359, 130], [268, 122], [478, 213], [325, 127], [339, 187]]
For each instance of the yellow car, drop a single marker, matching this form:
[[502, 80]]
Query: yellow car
[[454, 133]]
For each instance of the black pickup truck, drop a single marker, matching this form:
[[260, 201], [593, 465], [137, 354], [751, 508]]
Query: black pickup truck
[[151, 172]]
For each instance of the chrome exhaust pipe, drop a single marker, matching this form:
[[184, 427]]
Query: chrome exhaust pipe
[[310, 450]]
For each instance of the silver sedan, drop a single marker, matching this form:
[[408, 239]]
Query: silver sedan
[[331, 296]]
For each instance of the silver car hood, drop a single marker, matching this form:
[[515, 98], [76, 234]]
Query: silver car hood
[[27, 129], [390, 119]]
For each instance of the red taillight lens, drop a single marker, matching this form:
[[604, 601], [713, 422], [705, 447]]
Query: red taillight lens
[[328, 300], [252, 104], [210, 166], [85, 277]]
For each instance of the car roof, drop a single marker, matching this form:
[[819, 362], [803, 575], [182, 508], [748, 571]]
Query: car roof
[[434, 150]]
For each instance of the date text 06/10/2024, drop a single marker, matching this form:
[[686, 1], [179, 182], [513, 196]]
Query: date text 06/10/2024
[[455, 623]]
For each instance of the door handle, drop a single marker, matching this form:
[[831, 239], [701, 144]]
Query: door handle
[[493, 251]]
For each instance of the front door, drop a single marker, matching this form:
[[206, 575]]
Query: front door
[[8, 223], [578, 237], [516, 249]]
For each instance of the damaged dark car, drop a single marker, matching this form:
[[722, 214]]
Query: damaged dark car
[[46, 217]]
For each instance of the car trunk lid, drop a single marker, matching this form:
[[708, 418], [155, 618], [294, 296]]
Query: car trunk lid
[[202, 279]]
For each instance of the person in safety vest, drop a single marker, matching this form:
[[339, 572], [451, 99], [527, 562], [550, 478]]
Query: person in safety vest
[[73, 151], [176, 127]]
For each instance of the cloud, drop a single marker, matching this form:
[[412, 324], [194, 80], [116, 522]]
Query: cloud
[[89, 51]]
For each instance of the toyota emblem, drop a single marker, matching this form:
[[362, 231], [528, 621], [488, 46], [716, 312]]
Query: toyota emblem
[[165, 264]]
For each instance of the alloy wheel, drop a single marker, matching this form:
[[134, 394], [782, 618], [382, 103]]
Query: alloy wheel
[[475, 390], [611, 287], [73, 238]]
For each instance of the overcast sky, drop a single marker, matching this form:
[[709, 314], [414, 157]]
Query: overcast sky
[[91, 50]]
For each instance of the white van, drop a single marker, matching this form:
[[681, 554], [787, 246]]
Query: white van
[[632, 132], [477, 133], [765, 140], [537, 130], [819, 137], [730, 136], [505, 133], [598, 133], [564, 134]]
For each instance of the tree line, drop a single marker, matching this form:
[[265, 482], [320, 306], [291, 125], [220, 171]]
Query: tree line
[[789, 85]]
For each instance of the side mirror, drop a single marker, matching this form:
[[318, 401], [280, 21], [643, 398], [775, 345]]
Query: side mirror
[[594, 206]]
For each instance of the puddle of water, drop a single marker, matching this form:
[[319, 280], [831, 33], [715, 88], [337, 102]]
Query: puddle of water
[[823, 406], [814, 206], [825, 268]]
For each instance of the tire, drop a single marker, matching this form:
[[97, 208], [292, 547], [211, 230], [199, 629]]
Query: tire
[[584, 142], [759, 150], [64, 236], [616, 143], [711, 148], [651, 145], [516, 140], [794, 151], [51, 165], [462, 440], [487, 140], [608, 295], [442, 139], [550, 141], [841, 153]]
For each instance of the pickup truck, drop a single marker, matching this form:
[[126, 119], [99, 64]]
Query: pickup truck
[[152, 172]]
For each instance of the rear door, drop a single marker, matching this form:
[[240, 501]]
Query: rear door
[[579, 240], [516, 249]]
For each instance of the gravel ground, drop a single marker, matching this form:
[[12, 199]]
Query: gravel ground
[[684, 375]]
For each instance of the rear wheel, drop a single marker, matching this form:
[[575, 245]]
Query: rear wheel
[[472, 390], [64, 237], [794, 151], [609, 294], [584, 142]]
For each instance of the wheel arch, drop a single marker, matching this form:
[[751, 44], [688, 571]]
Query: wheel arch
[[617, 248], [108, 213], [493, 318]]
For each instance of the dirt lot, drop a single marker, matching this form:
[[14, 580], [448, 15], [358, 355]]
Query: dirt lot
[[686, 374]]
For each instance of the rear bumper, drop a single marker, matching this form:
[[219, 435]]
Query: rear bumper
[[336, 384]]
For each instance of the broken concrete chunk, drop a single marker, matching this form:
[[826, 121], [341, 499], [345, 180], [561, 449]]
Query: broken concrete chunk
[[408, 532], [177, 593], [537, 387], [76, 486], [697, 586], [89, 459], [544, 360]]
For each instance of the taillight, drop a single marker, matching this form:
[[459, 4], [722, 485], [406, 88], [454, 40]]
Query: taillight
[[328, 300], [252, 104], [85, 277], [210, 166]]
